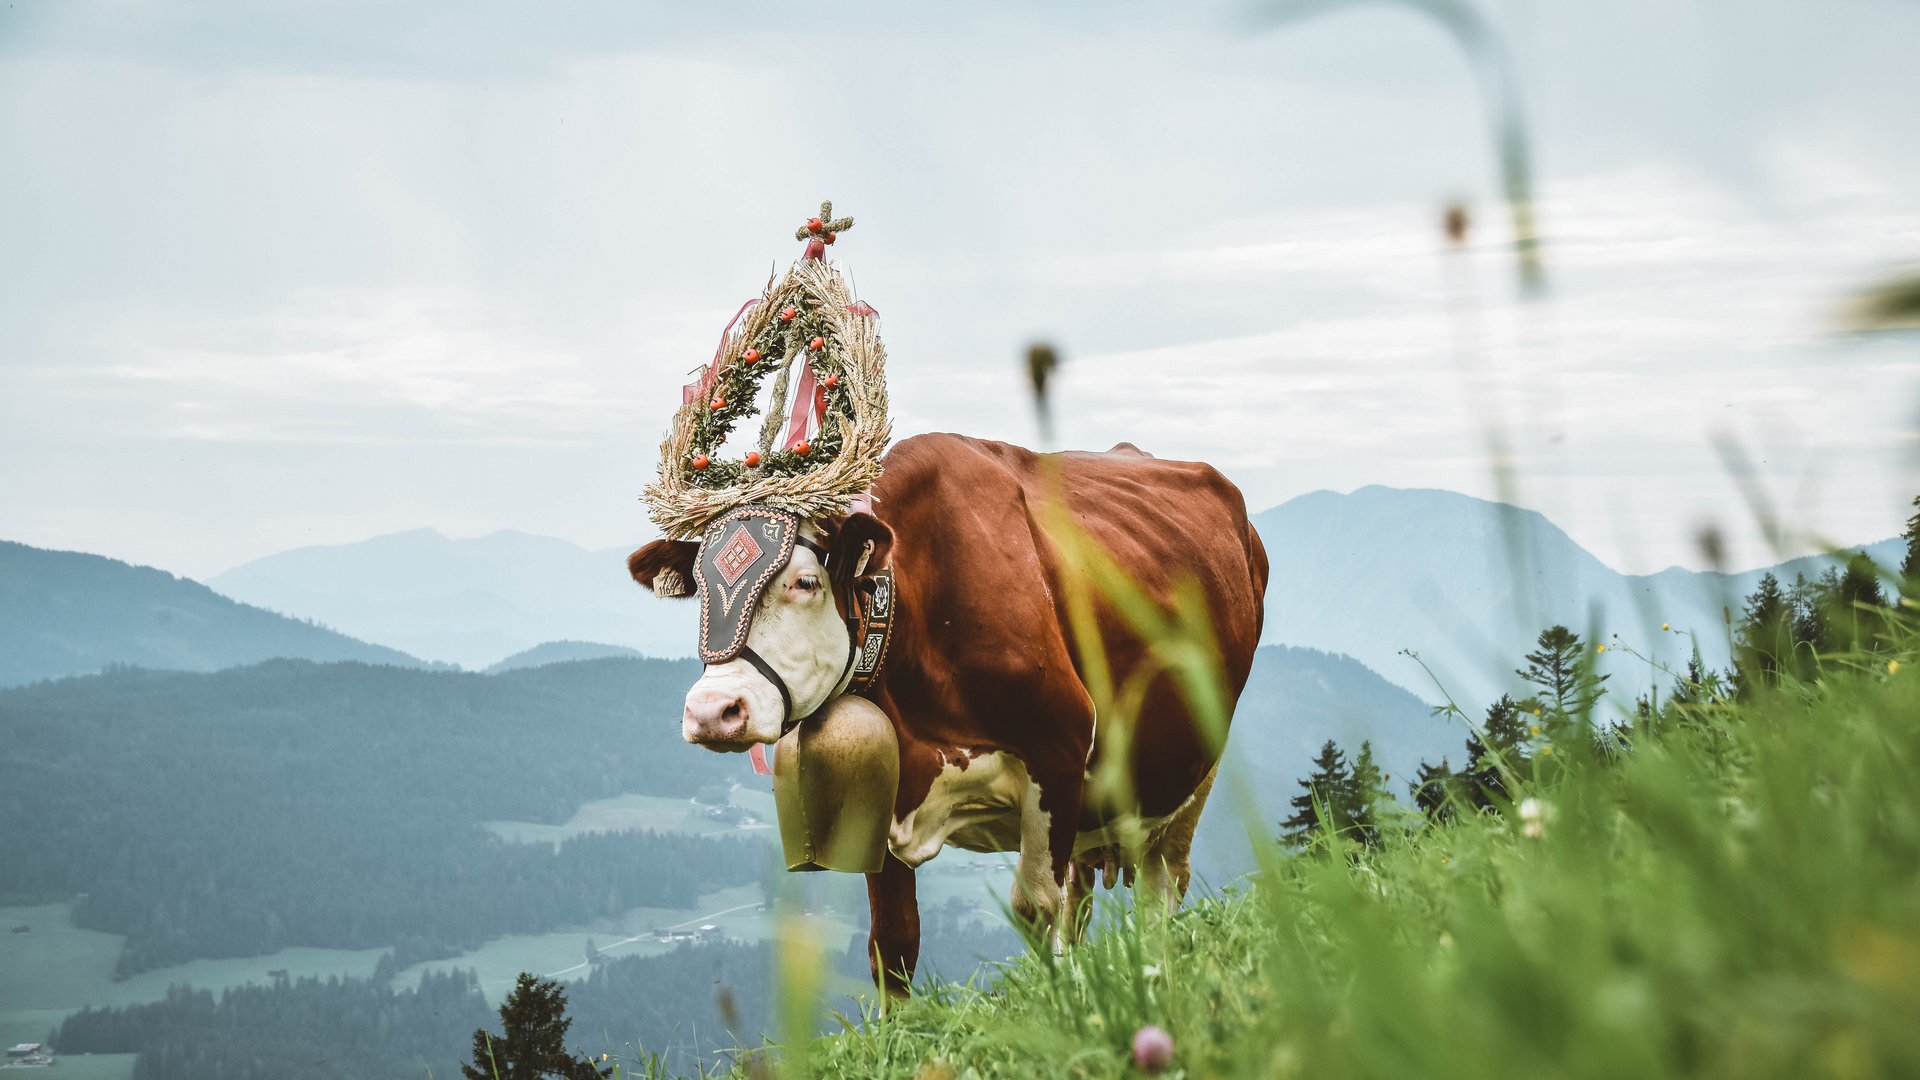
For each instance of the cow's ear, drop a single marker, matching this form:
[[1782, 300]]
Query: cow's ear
[[860, 546], [665, 566]]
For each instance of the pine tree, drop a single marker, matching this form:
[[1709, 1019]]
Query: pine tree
[[1809, 625], [1910, 566], [1560, 667], [1434, 789], [1508, 738], [1328, 791], [1854, 604], [532, 1045], [1764, 643], [1365, 795]]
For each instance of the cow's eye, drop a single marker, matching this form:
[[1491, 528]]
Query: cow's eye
[[806, 583]]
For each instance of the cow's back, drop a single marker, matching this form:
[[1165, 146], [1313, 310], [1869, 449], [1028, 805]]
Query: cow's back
[[981, 583]]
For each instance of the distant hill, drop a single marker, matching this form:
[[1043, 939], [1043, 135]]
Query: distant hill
[[468, 602], [1469, 583], [560, 652], [67, 613]]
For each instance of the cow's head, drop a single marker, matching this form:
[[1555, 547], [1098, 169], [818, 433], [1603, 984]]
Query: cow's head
[[774, 595]]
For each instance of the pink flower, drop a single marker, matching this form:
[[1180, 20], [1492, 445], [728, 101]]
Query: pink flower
[[1152, 1049]]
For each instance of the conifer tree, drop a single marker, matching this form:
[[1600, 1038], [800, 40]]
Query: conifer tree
[[1508, 736], [1561, 669], [1434, 789], [1854, 605], [1764, 642], [1326, 791], [1365, 795], [1809, 625], [1910, 566], [532, 1043]]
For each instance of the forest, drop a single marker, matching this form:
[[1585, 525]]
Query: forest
[[339, 805]]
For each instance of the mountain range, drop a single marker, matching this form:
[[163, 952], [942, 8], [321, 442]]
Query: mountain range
[[68, 613], [467, 602], [1466, 583]]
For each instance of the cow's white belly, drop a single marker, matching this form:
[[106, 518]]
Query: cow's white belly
[[975, 803]]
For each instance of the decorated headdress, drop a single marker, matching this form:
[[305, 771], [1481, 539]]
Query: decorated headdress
[[823, 348]]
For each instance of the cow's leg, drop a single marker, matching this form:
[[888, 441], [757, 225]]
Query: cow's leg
[[1047, 829], [893, 943], [1166, 871]]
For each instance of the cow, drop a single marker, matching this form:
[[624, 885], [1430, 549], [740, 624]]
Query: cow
[[983, 681]]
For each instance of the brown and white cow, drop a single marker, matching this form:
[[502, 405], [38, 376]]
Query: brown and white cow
[[982, 680]]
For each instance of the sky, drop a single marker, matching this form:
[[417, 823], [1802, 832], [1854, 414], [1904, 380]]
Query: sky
[[279, 275]]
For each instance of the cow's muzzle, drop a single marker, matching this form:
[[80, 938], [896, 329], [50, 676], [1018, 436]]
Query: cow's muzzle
[[717, 717]]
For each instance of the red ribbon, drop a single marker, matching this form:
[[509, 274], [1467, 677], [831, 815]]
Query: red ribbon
[[700, 389], [759, 756]]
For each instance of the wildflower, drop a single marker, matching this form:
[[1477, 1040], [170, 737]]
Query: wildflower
[[1152, 1049], [1600, 648], [1893, 667], [1665, 627], [1533, 818], [1536, 712], [1151, 971], [1096, 1020], [1534, 730], [1547, 750]]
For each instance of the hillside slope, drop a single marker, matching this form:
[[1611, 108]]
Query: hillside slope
[[1731, 899], [68, 613]]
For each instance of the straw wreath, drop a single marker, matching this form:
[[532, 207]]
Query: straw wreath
[[842, 461]]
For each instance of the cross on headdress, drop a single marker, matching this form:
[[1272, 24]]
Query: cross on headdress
[[821, 231]]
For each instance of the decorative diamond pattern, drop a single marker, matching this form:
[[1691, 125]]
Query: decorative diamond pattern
[[737, 554]]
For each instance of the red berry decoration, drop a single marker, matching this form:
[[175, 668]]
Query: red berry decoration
[[831, 381], [814, 224], [750, 355], [831, 237], [700, 461], [753, 459], [817, 344], [803, 448], [718, 404], [788, 314]]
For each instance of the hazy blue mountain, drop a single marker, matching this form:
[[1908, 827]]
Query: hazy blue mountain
[[561, 652], [470, 602], [1469, 583], [69, 613]]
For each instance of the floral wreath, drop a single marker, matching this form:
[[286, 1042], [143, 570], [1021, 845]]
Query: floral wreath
[[807, 326]]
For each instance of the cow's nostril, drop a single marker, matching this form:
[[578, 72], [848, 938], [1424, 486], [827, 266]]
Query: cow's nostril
[[735, 711]]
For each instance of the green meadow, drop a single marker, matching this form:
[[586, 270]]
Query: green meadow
[[1712, 885]]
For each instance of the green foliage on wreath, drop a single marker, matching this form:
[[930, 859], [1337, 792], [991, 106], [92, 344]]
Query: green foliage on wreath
[[737, 387]]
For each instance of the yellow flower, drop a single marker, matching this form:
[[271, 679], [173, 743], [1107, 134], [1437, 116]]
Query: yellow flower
[[1666, 626], [1536, 712], [1893, 667], [1599, 648], [1547, 750], [1535, 729]]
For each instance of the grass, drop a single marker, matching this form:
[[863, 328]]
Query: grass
[[1737, 897]]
